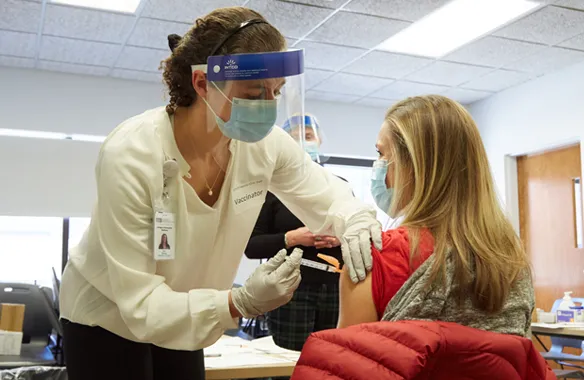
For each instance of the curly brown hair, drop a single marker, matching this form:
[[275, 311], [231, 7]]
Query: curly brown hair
[[197, 44]]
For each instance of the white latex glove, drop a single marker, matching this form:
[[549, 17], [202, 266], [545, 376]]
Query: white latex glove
[[270, 286], [361, 229]]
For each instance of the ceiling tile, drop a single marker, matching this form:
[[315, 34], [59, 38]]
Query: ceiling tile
[[387, 65], [328, 57], [22, 16], [352, 29], [548, 60], [332, 4], [312, 77], [143, 59], [330, 97], [402, 89], [352, 84], [17, 43], [550, 25], [293, 20], [376, 102], [77, 51], [447, 73], [137, 75], [497, 81], [574, 43], [154, 33], [16, 62], [407, 10], [578, 4], [86, 24], [466, 96], [183, 10], [493, 51], [71, 68]]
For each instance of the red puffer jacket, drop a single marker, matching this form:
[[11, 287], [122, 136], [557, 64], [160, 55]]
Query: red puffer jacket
[[419, 350]]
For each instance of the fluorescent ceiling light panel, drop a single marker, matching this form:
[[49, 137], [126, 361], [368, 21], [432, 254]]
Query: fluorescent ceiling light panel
[[126, 6], [32, 134], [49, 135], [455, 24], [90, 138]]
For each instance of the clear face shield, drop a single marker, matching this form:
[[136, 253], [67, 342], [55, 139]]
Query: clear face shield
[[307, 132], [245, 92]]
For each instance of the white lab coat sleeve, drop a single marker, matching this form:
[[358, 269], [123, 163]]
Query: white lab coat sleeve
[[321, 200], [152, 311]]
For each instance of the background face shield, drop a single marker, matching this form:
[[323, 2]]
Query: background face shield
[[312, 137], [244, 92]]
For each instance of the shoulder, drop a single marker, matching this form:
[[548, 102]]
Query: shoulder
[[395, 240], [264, 153], [133, 149], [136, 134], [279, 143]]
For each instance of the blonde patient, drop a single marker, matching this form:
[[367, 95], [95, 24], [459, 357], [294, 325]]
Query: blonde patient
[[455, 257]]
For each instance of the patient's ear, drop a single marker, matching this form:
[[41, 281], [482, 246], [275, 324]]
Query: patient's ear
[[356, 301]]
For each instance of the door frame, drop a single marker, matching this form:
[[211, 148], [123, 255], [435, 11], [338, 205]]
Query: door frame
[[511, 177]]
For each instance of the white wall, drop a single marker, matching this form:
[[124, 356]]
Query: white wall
[[542, 114], [55, 178]]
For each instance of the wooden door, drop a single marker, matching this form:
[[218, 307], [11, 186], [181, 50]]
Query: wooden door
[[548, 222]]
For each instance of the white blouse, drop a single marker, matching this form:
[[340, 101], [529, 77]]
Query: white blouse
[[112, 279]]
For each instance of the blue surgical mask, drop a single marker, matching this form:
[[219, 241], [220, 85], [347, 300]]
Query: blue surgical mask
[[251, 119], [312, 148], [381, 194]]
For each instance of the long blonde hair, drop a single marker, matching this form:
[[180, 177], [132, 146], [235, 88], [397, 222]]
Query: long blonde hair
[[443, 182]]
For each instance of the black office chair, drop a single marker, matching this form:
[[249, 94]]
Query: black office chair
[[38, 324], [56, 289]]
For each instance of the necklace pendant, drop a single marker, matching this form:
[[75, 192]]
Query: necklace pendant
[[210, 192]]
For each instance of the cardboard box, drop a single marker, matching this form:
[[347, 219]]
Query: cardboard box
[[11, 317], [10, 342]]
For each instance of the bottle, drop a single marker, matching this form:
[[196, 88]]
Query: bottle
[[564, 312]]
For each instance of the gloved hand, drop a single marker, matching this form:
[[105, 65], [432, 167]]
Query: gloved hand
[[361, 229], [270, 286]]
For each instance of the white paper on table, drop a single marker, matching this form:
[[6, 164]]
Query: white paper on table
[[228, 346], [243, 360], [267, 345], [563, 325]]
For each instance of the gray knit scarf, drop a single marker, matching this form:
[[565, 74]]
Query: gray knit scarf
[[415, 301]]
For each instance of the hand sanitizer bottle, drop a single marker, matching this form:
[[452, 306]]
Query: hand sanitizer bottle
[[564, 312]]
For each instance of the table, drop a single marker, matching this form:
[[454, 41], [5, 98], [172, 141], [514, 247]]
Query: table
[[557, 330], [273, 370], [31, 354], [236, 358]]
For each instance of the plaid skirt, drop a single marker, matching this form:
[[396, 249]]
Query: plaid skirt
[[313, 307]]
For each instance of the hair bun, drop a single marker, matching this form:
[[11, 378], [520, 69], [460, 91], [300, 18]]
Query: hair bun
[[173, 41]]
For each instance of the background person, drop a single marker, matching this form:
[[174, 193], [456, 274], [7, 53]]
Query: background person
[[315, 304]]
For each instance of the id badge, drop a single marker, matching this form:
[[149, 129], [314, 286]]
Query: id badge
[[164, 235]]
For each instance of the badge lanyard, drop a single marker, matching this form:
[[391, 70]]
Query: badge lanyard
[[165, 221]]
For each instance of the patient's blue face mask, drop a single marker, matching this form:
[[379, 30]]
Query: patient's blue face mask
[[382, 195], [251, 119]]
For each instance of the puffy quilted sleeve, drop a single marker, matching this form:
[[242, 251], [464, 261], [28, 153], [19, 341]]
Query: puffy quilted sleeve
[[368, 351]]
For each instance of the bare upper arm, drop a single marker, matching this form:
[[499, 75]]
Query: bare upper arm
[[356, 301]]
